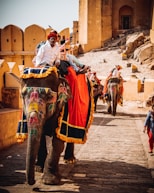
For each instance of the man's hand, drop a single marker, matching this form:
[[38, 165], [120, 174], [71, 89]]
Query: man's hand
[[57, 63]]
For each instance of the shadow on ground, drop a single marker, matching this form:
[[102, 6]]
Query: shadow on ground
[[102, 177]]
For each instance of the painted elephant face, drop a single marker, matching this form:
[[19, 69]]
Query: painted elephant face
[[44, 101], [38, 103]]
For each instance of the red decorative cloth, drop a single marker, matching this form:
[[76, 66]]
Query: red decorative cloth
[[78, 113], [78, 105]]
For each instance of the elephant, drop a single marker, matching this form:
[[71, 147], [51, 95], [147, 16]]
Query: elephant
[[69, 156], [46, 97], [113, 94]]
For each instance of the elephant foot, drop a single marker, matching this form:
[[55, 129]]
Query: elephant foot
[[120, 102], [38, 169], [51, 179], [70, 160], [109, 110], [31, 181]]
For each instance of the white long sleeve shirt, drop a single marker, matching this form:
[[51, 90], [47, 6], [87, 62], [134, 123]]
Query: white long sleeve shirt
[[115, 73], [47, 54]]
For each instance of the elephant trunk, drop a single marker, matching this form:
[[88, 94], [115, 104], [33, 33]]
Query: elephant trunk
[[114, 95], [34, 135]]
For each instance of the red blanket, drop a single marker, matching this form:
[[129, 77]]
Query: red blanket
[[78, 113]]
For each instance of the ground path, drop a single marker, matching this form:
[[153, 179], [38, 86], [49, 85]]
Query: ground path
[[113, 160]]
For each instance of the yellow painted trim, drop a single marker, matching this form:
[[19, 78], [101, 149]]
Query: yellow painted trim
[[42, 75]]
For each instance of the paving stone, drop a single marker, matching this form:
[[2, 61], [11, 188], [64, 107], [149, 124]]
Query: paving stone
[[113, 160]]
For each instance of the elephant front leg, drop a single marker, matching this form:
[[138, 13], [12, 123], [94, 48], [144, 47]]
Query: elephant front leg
[[51, 174], [109, 109], [95, 102]]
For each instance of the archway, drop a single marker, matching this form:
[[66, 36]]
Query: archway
[[125, 17]]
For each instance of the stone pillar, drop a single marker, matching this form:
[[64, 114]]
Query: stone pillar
[[90, 24], [75, 37], [83, 24], [106, 23], [152, 30]]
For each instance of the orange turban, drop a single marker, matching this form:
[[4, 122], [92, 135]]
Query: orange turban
[[118, 67]]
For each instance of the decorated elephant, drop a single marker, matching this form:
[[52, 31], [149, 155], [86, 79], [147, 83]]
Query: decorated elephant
[[113, 94], [51, 105]]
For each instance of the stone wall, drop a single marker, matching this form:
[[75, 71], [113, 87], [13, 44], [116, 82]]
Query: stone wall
[[9, 122], [19, 46], [11, 98], [100, 21]]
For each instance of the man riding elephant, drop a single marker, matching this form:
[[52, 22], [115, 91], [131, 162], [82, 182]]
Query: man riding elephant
[[115, 72], [43, 51], [68, 123]]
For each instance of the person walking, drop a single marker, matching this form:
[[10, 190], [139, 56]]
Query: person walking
[[149, 127]]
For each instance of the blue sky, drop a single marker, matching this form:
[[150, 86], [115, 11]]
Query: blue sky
[[59, 14]]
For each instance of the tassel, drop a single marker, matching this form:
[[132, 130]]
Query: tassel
[[22, 131]]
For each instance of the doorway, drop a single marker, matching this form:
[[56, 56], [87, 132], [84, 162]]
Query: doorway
[[126, 21], [126, 17]]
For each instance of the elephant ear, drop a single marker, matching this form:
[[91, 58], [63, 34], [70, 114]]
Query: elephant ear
[[64, 92]]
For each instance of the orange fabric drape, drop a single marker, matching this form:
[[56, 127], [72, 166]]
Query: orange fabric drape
[[79, 103]]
